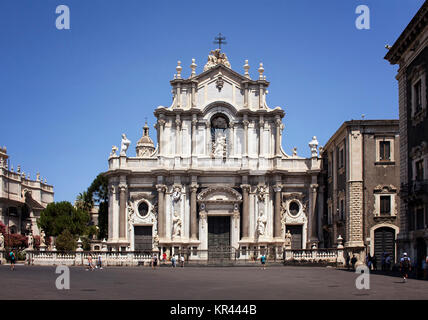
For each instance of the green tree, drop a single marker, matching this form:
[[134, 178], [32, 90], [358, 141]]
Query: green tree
[[66, 241], [97, 194], [60, 216]]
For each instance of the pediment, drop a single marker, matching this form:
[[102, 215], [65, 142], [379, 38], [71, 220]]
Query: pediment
[[219, 194]]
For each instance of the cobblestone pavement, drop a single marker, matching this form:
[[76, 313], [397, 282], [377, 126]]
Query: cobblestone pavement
[[192, 283]]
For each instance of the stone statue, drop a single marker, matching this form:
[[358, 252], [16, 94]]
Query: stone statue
[[287, 242], [42, 239], [216, 57], [1, 241], [113, 151], [219, 146], [124, 145], [30, 241], [176, 225], [261, 224]]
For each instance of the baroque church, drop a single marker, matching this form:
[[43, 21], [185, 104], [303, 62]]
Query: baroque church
[[218, 179]]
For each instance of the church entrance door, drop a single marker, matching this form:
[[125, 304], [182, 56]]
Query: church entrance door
[[296, 236], [219, 238], [143, 238]]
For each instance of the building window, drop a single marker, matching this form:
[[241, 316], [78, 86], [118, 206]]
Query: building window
[[329, 215], [384, 150], [419, 166], [342, 209], [420, 218], [385, 205], [417, 89], [341, 160]]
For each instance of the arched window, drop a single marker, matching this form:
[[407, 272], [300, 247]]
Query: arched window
[[143, 208]]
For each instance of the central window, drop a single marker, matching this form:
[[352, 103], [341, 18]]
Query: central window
[[385, 205], [385, 150], [294, 208]]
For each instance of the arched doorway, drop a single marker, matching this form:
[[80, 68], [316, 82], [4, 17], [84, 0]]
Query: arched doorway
[[384, 243]]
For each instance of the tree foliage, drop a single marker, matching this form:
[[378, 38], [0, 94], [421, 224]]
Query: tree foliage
[[61, 216], [97, 194], [66, 241]]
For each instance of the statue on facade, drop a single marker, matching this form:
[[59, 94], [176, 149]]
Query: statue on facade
[[261, 224], [124, 145], [176, 225], [216, 57], [287, 242], [219, 146], [30, 241], [42, 239], [113, 151], [1, 241]]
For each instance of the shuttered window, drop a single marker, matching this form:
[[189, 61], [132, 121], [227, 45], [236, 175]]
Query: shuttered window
[[385, 150], [385, 205]]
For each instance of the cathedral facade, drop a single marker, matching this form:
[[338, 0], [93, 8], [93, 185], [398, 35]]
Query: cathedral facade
[[218, 179]]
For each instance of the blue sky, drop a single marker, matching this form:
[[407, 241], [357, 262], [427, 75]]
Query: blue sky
[[67, 95]]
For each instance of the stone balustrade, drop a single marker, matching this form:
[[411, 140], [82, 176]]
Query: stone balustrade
[[114, 258]]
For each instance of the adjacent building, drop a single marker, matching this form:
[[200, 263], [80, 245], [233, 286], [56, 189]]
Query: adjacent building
[[361, 179], [410, 53], [21, 198]]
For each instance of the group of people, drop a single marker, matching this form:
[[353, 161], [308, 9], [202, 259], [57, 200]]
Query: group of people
[[174, 260], [92, 266]]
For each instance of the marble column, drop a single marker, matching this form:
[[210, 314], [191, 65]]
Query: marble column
[[246, 123], [194, 122], [278, 123], [245, 211], [313, 237], [277, 212], [161, 126], [193, 222], [122, 211], [161, 210]]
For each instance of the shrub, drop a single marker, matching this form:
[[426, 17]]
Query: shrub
[[15, 241]]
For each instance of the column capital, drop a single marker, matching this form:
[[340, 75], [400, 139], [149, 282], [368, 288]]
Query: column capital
[[194, 187], [123, 187], [246, 123], [246, 187], [277, 188], [161, 122], [161, 187], [314, 187]]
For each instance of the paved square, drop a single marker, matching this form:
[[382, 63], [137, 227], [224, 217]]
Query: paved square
[[196, 283]]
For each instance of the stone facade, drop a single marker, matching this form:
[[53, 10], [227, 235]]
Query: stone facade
[[21, 198], [218, 177], [410, 52], [361, 170]]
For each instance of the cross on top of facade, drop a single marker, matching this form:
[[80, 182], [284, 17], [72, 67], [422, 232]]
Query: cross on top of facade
[[220, 40]]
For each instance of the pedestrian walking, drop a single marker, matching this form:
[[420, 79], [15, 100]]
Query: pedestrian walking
[[182, 261], [383, 261], [426, 268], [12, 260], [173, 261], [154, 261], [405, 266], [353, 261], [388, 262], [348, 259], [369, 261], [164, 257], [100, 263], [90, 265], [374, 262], [263, 261]]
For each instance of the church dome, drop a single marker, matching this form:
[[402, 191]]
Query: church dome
[[145, 145]]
